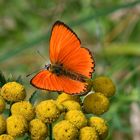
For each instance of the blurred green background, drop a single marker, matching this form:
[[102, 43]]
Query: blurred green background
[[109, 28]]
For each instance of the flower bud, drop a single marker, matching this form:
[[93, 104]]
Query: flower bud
[[2, 104], [96, 103], [16, 125], [88, 133], [38, 130], [2, 124], [100, 125], [13, 91], [47, 111], [77, 118], [104, 85], [64, 130], [23, 108], [6, 137]]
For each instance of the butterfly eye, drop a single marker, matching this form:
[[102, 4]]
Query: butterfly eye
[[47, 66]]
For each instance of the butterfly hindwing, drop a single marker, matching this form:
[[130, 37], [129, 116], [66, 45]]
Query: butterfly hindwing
[[49, 81]]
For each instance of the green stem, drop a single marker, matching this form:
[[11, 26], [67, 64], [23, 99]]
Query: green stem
[[50, 131], [10, 108]]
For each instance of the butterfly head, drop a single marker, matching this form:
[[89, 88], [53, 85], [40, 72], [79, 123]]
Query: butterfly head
[[48, 66], [54, 68]]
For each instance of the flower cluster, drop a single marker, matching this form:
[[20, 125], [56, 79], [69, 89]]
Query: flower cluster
[[21, 118], [81, 120], [71, 117]]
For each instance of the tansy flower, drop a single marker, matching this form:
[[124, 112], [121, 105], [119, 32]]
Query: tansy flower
[[63, 97], [96, 103], [47, 111], [100, 125], [88, 133], [64, 130], [38, 130], [104, 85], [77, 118], [60, 107], [2, 124], [13, 91], [71, 105], [6, 137], [16, 125], [24, 108], [2, 104]]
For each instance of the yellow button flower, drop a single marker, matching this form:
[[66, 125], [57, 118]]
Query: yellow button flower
[[6, 137], [23, 108], [100, 125], [2, 104], [38, 130], [77, 118], [16, 125], [2, 124], [60, 107], [104, 85], [96, 103], [88, 133], [13, 91], [71, 105], [63, 97], [64, 130], [47, 111]]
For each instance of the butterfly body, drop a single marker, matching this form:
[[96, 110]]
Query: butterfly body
[[59, 70], [71, 65]]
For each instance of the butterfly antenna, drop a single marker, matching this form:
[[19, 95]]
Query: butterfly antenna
[[41, 55], [33, 72]]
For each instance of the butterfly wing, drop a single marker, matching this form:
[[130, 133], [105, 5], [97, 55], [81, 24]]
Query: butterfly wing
[[65, 48], [49, 81]]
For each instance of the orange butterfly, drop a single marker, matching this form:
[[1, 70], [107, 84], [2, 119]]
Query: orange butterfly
[[71, 65]]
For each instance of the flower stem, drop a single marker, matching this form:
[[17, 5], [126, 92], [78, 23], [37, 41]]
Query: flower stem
[[50, 131], [10, 105]]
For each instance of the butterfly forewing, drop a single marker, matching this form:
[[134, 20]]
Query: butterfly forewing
[[65, 48]]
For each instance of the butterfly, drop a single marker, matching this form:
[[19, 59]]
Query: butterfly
[[71, 65]]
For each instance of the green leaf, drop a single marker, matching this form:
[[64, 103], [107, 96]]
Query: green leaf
[[10, 78], [34, 96], [25, 137], [2, 79], [6, 113], [19, 79]]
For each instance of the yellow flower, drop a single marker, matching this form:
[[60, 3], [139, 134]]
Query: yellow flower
[[2, 124], [64, 97], [88, 133], [47, 111], [77, 118], [16, 125], [13, 91], [38, 130], [6, 137], [64, 130], [2, 104], [104, 85], [100, 125], [71, 105], [96, 103], [23, 108], [60, 107]]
